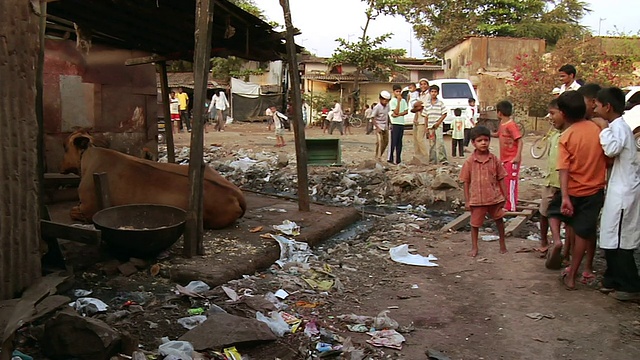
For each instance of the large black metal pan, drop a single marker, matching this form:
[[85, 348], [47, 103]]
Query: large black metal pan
[[140, 230]]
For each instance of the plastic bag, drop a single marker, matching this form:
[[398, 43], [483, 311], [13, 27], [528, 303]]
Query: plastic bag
[[179, 349], [89, 306], [383, 321], [191, 322], [400, 254], [197, 287], [276, 323]]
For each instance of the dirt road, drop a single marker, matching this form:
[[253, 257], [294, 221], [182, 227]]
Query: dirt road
[[467, 308], [355, 148]]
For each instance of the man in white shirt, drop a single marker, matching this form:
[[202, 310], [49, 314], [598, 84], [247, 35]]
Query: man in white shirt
[[567, 75], [219, 103]]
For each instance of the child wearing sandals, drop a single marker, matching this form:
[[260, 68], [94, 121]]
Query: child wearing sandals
[[582, 169], [484, 188], [619, 231]]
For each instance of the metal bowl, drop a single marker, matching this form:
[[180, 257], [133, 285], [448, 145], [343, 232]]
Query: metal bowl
[[140, 230]]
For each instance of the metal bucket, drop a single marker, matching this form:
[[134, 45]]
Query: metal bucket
[[140, 230]]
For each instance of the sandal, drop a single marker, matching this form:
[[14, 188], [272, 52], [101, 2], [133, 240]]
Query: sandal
[[587, 277]]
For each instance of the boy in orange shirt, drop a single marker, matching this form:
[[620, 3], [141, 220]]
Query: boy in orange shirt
[[484, 188], [582, 167], [510, 152]]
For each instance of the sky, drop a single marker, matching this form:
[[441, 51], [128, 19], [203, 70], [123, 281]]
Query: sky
[[323, 21]]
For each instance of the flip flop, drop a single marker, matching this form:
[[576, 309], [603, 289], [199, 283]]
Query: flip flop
[[554, 258], [587, 277]]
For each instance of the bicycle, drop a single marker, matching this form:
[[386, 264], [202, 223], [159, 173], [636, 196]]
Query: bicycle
[[354, 121], [540, 147]]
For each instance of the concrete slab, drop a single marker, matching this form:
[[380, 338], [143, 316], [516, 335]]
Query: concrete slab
[[235, 251]]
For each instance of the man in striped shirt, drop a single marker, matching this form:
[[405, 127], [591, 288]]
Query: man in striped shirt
[[435, 111]]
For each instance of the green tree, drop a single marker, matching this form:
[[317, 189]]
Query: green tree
[[442, 23], [367, 53]]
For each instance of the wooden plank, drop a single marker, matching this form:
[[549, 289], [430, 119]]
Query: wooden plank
[[537, 202], [298, 124], [53, 179], [145, 60], [168, 123], [194, 224], [102, 190], [516, 225], [458, 222], [53, 258], [69, 232]]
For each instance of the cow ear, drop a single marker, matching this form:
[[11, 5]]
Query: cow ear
[[82, 142]]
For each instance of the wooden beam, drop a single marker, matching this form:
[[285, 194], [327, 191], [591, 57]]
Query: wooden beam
[[298, 124], [168, 123], [69, 232], [458, 222], [201, 61], [145, 60]]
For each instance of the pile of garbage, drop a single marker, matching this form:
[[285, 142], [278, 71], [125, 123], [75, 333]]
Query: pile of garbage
[[367, 183]]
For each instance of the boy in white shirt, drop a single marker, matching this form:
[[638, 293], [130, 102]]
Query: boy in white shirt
[[457, 133], [619, 232], [471, 119]]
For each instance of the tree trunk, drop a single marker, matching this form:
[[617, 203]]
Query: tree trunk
[[19, 168]]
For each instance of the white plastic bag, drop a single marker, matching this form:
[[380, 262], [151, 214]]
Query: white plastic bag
[[89, 306], [276, 323], [197, 287], [383, 321], [180, 349], [400, 254], [191, 322]]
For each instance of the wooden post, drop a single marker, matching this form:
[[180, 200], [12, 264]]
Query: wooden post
[[19, 158], [298, 124], [168, 123], [201, 59], [103, 196]]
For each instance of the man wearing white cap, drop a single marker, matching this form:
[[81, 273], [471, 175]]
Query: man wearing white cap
[[380, 115]]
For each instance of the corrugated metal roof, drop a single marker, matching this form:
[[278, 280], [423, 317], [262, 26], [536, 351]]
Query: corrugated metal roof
[[424, 67], [334, 77], [185, 80], [166, 27]]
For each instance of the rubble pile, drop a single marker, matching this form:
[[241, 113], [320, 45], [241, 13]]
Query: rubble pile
[[295, 301], [366, 184]]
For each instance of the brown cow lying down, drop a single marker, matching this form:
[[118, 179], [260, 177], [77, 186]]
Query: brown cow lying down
[[137, 181]]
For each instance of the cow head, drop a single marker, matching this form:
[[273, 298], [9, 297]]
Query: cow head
[[74, 146]]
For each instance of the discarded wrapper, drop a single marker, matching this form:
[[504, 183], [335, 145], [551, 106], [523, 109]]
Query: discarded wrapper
[[232, 353]]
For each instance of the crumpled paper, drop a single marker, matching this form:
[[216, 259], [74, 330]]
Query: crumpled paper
[[400, 254], [292, 251], [288, 228]]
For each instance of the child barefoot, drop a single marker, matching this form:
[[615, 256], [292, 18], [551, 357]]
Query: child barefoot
[[484, 188]]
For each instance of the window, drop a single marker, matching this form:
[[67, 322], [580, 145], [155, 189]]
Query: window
[[456, 91], [449, 64]]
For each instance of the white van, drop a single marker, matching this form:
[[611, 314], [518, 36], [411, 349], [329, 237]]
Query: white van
[[455, 93]]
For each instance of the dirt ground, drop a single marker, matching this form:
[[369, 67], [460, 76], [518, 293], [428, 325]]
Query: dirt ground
[[465, 308]]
